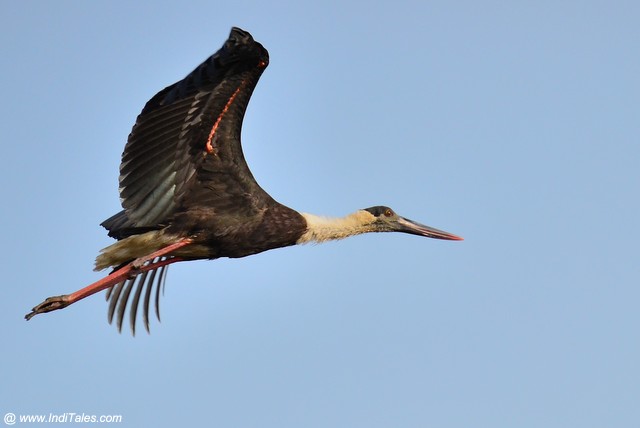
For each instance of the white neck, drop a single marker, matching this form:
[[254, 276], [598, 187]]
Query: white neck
[[322, 229]]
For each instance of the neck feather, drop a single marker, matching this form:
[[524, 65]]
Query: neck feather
[[322, 229]]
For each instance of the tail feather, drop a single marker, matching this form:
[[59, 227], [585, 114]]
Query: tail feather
[[120, 226], [132, 248]]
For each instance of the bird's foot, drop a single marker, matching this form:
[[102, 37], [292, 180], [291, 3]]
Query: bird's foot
[[50, 304]]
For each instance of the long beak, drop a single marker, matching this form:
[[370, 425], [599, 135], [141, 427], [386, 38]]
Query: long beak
[[409, 226]]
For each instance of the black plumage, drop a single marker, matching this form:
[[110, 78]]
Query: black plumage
[[183, 169], [187, 192], [184, 156]]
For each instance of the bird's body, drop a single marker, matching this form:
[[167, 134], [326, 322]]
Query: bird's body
[[188, 193]]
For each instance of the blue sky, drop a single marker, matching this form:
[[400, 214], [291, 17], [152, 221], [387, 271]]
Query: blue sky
[[514, 125]]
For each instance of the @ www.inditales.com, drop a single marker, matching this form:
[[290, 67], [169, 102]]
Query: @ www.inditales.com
[[67, 417]]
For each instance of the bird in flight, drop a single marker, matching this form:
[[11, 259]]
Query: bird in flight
[[188, 194]]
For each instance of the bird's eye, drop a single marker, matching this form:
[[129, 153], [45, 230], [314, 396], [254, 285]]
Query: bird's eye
[[388, 212]]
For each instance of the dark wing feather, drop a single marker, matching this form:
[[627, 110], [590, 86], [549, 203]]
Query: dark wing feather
[[184, 153], [130, 291], [185, 146]]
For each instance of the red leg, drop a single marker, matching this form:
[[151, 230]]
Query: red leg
[[128, 271]]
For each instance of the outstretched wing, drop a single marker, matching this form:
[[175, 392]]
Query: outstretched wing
[[184, 149]]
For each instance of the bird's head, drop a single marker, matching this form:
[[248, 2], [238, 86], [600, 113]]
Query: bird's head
[[384, 219]]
